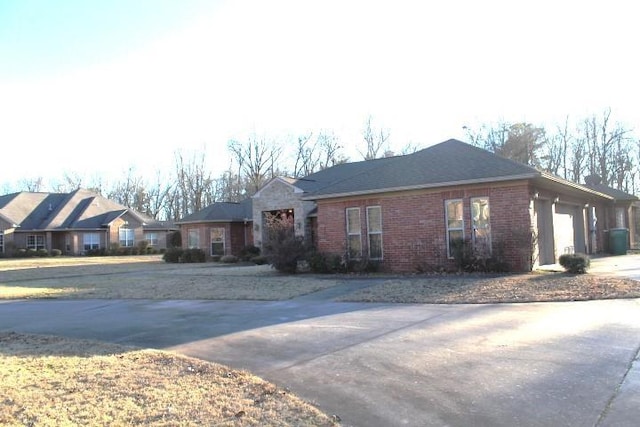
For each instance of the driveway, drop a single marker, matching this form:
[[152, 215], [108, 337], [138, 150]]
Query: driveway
[[572, 363]]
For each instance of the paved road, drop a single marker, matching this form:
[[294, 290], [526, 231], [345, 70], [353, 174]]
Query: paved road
[[569, 364]]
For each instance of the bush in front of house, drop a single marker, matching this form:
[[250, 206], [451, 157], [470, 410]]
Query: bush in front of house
[[575, 263], [229, 259], [249, 252], [259, 260], [324, 263], [56, 252], [172, 255], [43, 253], [282, 247], [193, 255]]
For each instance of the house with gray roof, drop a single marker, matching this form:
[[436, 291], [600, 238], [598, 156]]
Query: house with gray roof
[[75, 223], [407, 212], [222, 228]]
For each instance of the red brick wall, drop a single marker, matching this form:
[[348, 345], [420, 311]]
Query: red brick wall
[[413, 224]]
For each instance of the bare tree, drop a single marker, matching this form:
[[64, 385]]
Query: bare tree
[[32, 185], [376, 141], [194, 183], [556, 151], [257, 161], [314, 154]]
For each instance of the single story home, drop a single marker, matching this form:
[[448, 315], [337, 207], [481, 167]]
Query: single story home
[[407, 212], [222, 228], [75, 223]]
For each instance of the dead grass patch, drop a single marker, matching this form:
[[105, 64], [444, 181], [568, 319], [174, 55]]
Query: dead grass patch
[[155, 280], [56, 381], [477, 289]]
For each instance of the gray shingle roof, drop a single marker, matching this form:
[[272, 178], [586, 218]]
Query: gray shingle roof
[[447, 163], [221, 212], [616, 194], [54, 211]]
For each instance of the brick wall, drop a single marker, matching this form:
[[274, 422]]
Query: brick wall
[[413, 224]]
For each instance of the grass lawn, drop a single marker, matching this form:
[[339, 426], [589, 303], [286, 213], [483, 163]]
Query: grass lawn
[[148, 277], [51, 381]]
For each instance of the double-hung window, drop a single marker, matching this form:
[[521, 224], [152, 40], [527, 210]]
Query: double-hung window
[[354, 240], [455, 225], [193, 238], [91, 241], [35, 241], [374, 230], [481, 225], [217, 241], [151, 238], [126, 237]]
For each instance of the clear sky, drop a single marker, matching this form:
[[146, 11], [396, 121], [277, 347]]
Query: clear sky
[[96, 87]]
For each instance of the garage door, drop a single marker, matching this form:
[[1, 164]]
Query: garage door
[[563, 232]]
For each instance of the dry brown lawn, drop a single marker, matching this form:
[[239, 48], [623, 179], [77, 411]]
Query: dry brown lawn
[[482, 289], [147, 277], [52, 381]]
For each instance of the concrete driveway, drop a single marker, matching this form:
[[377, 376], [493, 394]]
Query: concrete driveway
[[570, 364]]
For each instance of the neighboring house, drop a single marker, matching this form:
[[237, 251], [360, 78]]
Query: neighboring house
[[74, 223], [222, 228], [407, 211]]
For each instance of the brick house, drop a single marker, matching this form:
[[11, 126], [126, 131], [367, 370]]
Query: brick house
[[74, 223], [222, 228], [407, 211]]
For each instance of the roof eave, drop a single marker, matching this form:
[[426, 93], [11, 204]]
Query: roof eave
[[311, 197], [576, 186]]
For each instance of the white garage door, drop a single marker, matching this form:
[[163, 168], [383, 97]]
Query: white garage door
[[564, 234]]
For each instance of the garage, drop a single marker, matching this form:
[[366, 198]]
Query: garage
[[560, 230]]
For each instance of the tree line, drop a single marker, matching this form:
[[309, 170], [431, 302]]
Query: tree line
[[595, 146]]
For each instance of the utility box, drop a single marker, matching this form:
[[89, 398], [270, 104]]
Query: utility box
[[618, 241]]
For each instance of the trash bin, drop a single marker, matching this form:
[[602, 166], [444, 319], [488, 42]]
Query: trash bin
[[618, 238]]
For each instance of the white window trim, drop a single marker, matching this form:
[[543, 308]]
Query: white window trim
[[370, 233], [91, 241], [349, 234], [150, 242], [126, 230], [446, 223], [197, 238], [224, 238], [35, 245], [473, 225]]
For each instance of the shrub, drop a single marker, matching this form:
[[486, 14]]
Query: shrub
[[42, 253], [229, 259], [216, 258], [142, 246], [575, 263], [249, 252], [172, 255], [21, 253], [193, 255], [56, 252], [31, 253], [259, 260], [324, 263], [114, 248], [283, 248]]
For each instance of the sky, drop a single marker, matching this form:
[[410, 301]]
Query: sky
[[95, 88]]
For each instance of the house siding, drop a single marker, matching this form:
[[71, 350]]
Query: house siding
[[413, 224]]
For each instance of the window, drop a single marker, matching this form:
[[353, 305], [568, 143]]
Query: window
[[35, 242], [151, 238], [354, 242], [91, 241], [374, 229], [1, 242], [126, 237], [455, 224], [620, 214], [217, 241], [480, 221], [193, 238]]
